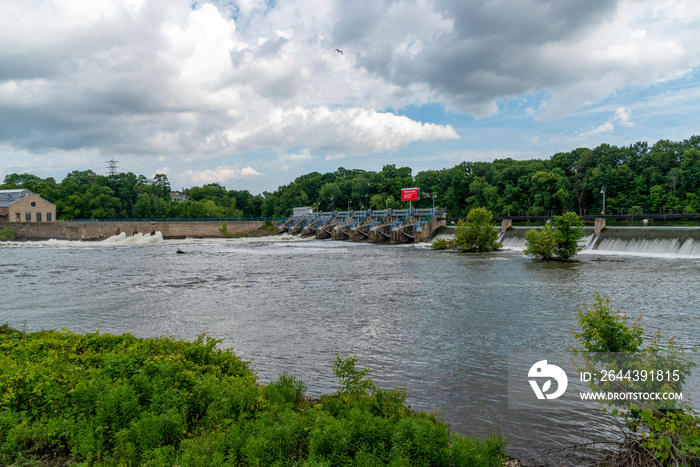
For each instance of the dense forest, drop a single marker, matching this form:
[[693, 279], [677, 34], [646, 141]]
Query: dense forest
[[637, 179]]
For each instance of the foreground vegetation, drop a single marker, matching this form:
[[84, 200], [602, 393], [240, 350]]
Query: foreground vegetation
[[652, 436], [101, 399], [637, 179]]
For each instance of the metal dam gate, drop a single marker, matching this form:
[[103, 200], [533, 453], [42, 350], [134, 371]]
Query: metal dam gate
[[388, 226]]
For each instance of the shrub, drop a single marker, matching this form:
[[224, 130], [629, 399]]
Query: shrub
[[652, 437], [605, 331], [569, 232], [477, 233], [224, 230], [541, 244], [7, 234], [118, 400], [441, 244], [557, 239]]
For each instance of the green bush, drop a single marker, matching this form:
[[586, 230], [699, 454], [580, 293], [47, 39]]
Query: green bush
[[477, 234], [653, 436], [541, 244], [224, 230], [603, 330], [100, 399], [441, 244], [557, 239], [7, 234]]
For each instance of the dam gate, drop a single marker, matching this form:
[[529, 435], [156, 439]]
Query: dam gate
[[388, 226]]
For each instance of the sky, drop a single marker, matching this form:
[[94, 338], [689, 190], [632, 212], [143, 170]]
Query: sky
[[254, 93]]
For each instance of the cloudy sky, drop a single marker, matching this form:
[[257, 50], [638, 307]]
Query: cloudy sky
[[252, 93]]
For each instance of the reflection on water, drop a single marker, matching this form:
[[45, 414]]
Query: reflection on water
[[440, 324]]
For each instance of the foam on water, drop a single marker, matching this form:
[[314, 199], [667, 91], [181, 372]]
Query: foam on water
[[659, 248], [116, 240]]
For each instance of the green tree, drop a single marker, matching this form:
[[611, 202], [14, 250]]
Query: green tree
[[558, 239], [569, 231], [477, 233], [144, 206], [541, 244]]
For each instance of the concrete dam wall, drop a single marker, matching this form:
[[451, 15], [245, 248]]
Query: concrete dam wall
[[99, 230], [677, 241]]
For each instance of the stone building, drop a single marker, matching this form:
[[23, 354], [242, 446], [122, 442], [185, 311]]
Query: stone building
[[25, 206]]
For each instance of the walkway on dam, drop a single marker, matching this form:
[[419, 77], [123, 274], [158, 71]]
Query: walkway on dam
[[626, 217], [388, 226]]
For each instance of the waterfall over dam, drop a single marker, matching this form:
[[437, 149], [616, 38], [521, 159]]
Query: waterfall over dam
[[648, 241]]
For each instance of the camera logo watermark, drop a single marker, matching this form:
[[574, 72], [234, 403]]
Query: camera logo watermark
[[542, 369]]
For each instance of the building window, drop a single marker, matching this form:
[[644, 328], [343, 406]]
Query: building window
[[33, 204], [48, 217], [38, 217], [18, 217], [28, 217]]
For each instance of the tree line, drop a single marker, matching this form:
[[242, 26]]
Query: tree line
[[87, 195], [635, 179]]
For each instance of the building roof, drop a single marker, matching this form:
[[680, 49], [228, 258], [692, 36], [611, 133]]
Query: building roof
[[17, 193], [8, 197]]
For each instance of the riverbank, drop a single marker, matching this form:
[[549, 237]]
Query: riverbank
[[116, 399]]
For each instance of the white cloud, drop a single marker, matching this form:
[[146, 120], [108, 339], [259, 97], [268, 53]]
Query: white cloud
[[606, 127], [214, 82], [622, 116], [159, 79], [303, 155], [221, 174]]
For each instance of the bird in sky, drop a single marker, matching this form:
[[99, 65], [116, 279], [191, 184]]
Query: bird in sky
[[339, 51]]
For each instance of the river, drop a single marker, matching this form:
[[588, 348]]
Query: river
[[440, 324]]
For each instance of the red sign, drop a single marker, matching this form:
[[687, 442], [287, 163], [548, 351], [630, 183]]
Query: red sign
[[409, 194]]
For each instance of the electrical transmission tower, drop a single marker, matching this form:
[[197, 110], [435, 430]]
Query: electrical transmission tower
[[112, 166]]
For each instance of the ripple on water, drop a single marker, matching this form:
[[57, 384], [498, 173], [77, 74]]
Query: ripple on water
[[439, 324]]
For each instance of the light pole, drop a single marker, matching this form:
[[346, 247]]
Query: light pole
[[602, 190], [433, 200], [332, 203], [349, 203], [386, 203]]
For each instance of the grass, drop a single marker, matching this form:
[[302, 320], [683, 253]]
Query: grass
[[118, 400]]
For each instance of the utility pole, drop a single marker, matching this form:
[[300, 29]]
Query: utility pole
[[602, 190]]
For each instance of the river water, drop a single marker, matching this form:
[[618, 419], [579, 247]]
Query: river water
[[440, 324]]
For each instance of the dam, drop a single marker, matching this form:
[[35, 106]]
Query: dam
[[679, 241], [387, 226]]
